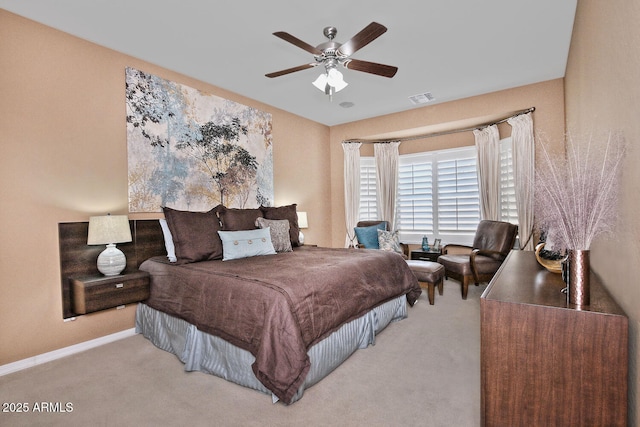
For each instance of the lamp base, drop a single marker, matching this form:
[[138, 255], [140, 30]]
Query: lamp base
[[111, 261]]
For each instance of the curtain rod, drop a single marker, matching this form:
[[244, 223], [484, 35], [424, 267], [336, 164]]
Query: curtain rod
[[447, 132]]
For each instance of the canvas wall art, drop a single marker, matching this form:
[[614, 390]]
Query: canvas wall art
[[191, 151]]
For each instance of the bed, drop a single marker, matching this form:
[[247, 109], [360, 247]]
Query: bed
[[277, 321]]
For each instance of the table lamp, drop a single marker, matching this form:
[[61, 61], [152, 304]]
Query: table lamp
[[109, 230], [302, 223]]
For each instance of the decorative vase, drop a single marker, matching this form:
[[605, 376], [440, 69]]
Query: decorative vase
[[425, 244], [578, 275]]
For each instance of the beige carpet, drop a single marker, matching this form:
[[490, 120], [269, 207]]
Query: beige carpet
[[422, 371]]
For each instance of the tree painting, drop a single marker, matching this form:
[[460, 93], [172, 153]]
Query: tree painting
[[192, 151]]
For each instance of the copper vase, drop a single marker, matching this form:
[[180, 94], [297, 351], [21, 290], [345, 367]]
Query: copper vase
[[578, 275]]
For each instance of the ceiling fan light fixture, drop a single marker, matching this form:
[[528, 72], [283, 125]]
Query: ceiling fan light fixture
[[335, 79], [321, 82], [330, 82]]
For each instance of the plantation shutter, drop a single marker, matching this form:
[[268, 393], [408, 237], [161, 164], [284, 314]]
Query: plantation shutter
[[458, 196], [508, 207], [368, 208], [415, 196]]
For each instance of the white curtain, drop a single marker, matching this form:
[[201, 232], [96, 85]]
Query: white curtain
[[523, 171], [351, 188], [386, 155], [488, 145]]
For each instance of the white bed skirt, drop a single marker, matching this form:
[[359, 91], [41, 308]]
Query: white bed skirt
[[200, 351]]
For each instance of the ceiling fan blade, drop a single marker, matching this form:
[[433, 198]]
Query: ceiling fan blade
[[372, 68], [290, 70], [363, 38], [296, 41]]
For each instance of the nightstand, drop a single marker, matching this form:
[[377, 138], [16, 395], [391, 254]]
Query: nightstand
[[430, 255], [96, 293]]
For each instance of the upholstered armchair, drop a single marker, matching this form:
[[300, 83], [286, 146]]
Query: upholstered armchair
[[478, 263]]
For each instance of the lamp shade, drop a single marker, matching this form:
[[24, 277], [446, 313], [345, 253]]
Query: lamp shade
[[302, 220], [302, 223], [321, 82], [334, 78], [108, 229]]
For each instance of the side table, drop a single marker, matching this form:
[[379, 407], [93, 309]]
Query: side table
[[96, 293], [430, 255]]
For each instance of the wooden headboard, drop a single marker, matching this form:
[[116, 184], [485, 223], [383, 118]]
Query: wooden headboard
[[79, 259]]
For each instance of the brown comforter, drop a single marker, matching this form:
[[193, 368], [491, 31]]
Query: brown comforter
[[277, 306]]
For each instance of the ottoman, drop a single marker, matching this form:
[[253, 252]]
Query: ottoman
[[429, 273]]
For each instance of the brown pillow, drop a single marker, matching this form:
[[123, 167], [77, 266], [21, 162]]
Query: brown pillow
[[285, 212], [238, 219], [195, 234]]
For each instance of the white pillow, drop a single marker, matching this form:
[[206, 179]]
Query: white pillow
[[389, 241], [246, 243], [168, 241]]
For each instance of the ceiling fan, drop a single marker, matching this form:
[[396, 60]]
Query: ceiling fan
[[331, 54]]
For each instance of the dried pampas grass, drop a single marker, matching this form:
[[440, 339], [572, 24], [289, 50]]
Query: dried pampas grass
[[576, 197]]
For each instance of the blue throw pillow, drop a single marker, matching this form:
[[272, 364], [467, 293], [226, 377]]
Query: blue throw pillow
[[368, 236], [246, 243]]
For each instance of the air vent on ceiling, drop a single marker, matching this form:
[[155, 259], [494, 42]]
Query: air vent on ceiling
[[421, 98]]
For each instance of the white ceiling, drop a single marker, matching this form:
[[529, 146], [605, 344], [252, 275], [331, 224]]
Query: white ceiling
[[453, 49]]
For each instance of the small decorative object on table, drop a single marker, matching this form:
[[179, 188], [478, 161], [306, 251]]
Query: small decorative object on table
[[578, 277], [550, 260], [576, 200], [425, 244], [437, 243]]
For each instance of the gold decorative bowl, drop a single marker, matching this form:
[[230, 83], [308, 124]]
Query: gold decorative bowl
[[552, 265]]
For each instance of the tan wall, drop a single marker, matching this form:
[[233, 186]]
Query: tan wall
[[602, 94], [548, 118], [63, 157]]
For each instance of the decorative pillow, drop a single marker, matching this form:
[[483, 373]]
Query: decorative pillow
[[168, 241], [238, 219], [194, 234], [368, 236], [389, 241], [279, 233], [285, 212], [246, 243]]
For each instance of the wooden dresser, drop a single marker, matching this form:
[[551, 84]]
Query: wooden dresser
[[543, 364]]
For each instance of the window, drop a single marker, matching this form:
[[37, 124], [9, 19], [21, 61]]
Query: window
[[368, 206], [508, 209], [438, 193], [415, 194], [458, 194]]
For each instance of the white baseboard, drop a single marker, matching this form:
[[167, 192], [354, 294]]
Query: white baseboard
[[64, 352]]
